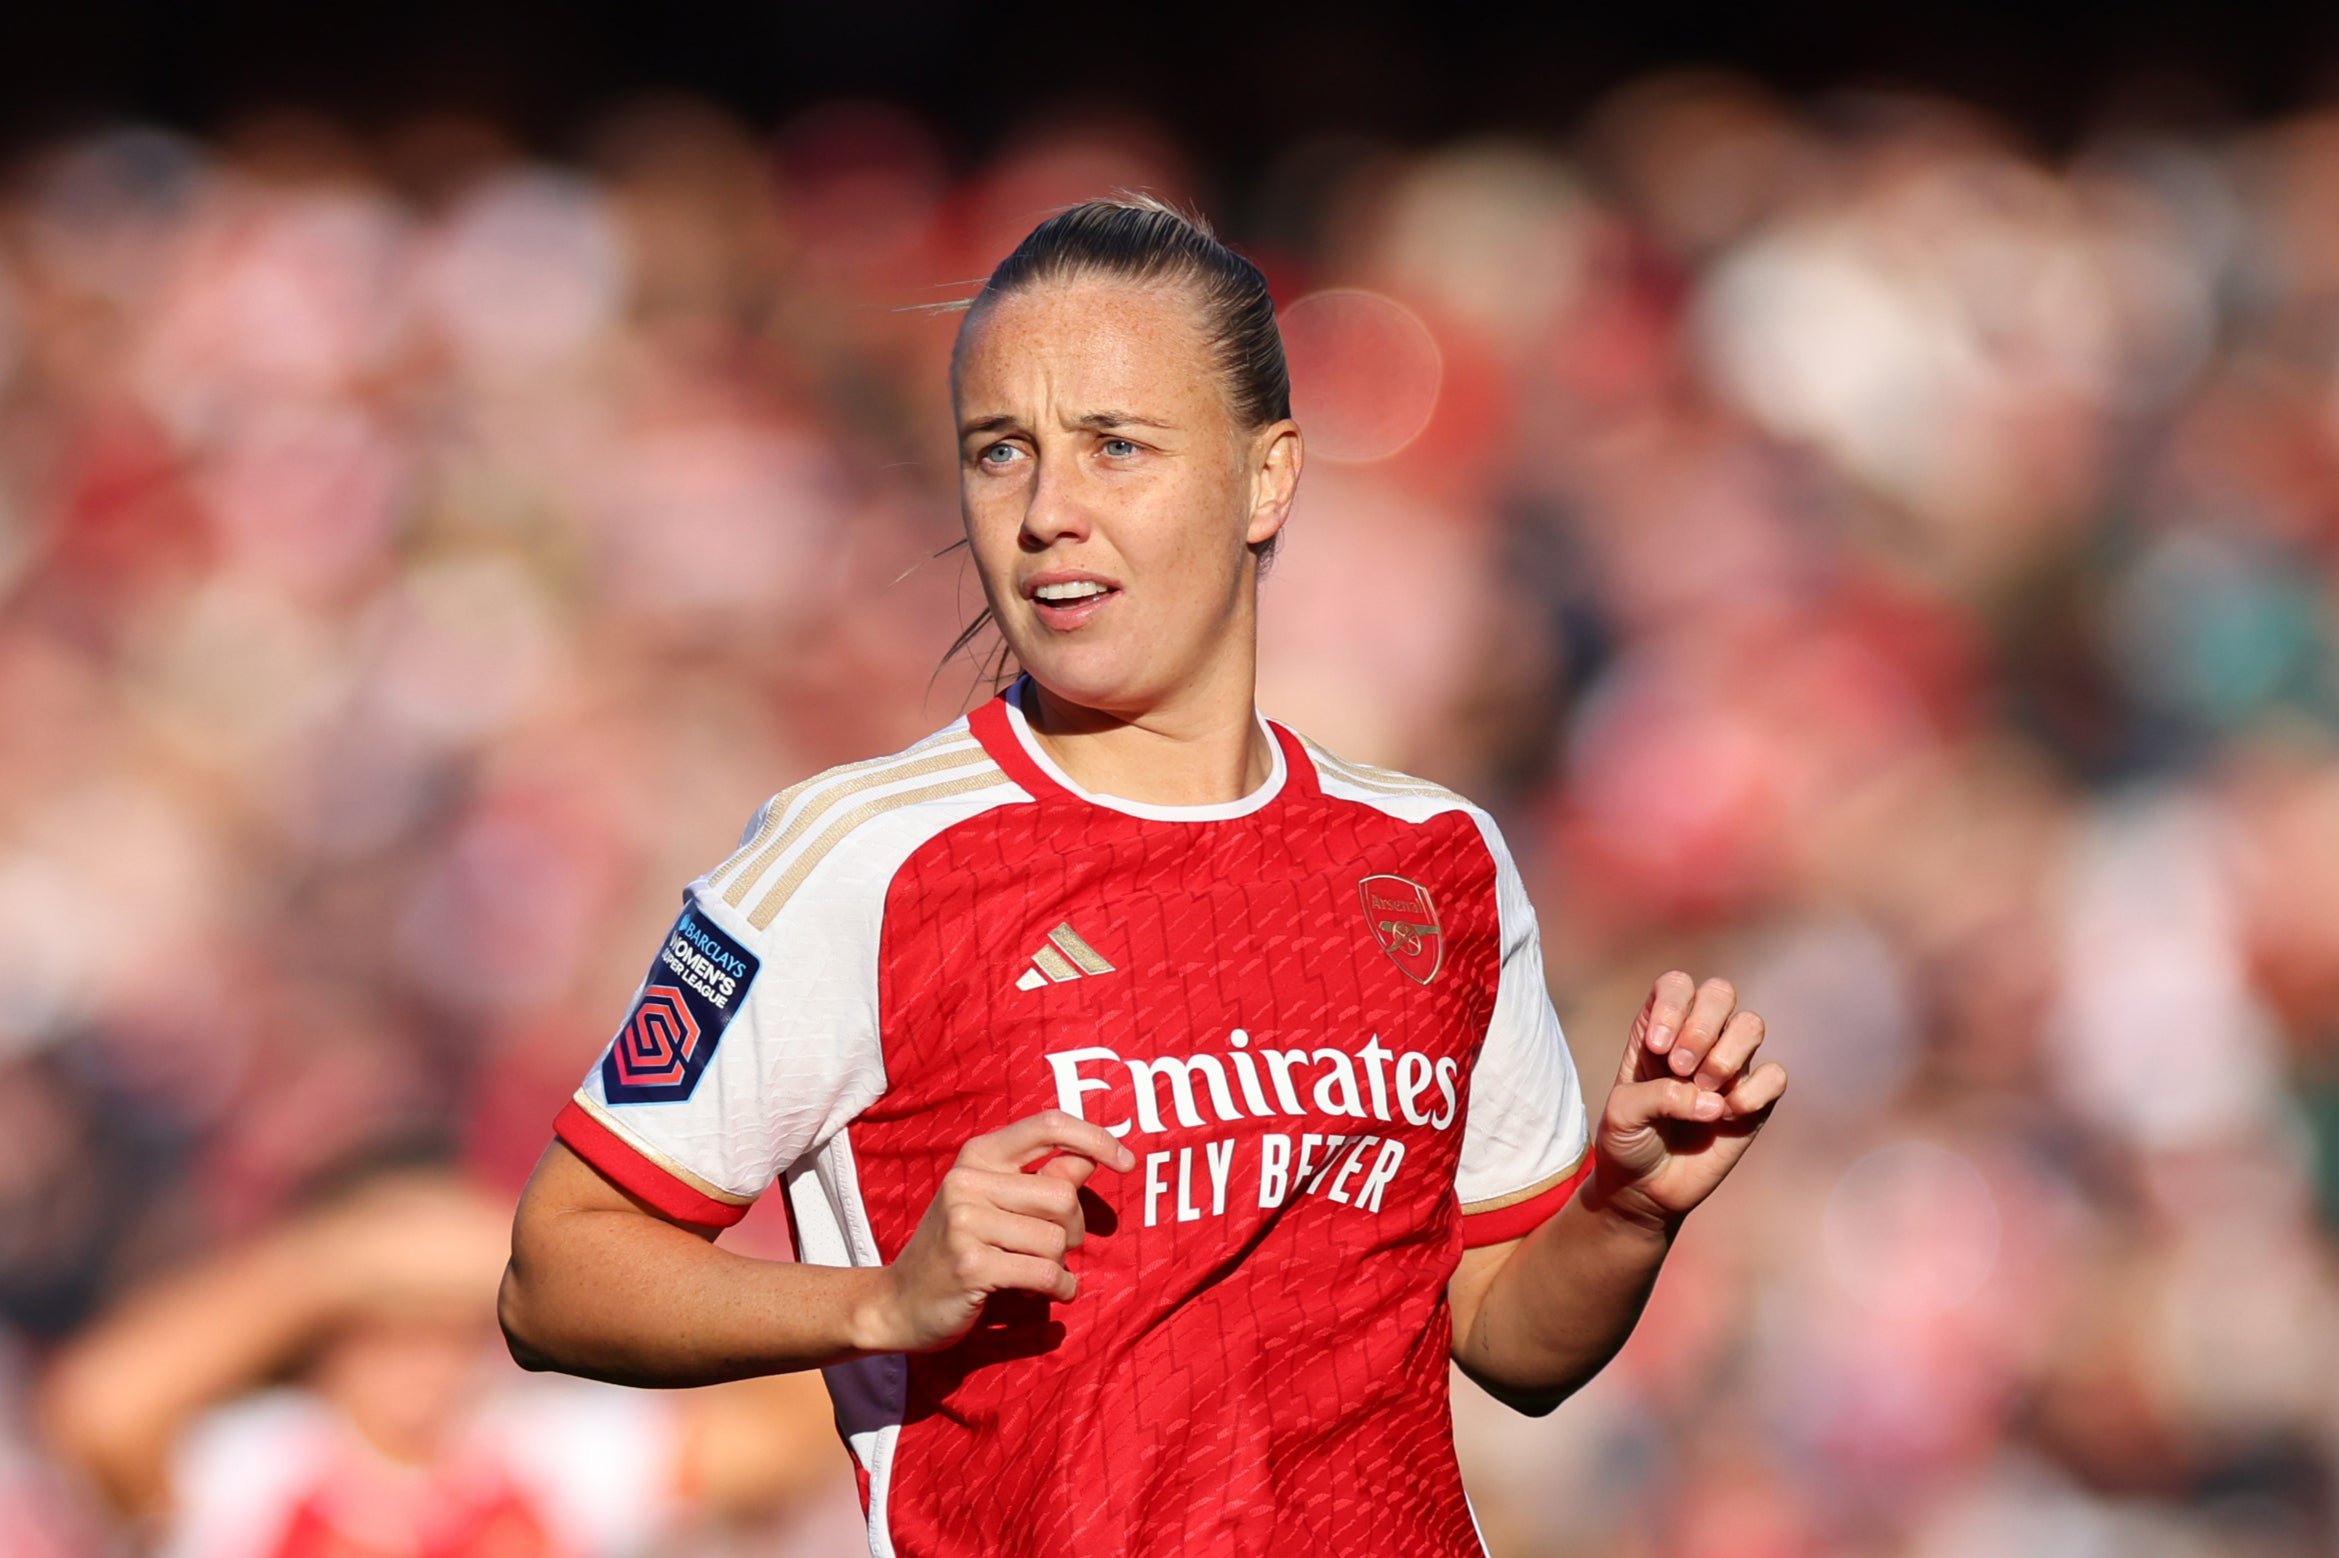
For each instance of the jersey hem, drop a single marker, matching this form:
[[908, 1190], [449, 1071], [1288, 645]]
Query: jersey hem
[[633, 1169], [1504, 1218]]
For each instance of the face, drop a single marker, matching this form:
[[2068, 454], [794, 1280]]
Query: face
[[406, 1385], [1111, 497]]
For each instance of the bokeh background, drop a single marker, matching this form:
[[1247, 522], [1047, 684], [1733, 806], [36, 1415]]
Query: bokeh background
[[1857, 494]]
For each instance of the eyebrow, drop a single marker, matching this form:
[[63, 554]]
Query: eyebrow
[[1095, 421]]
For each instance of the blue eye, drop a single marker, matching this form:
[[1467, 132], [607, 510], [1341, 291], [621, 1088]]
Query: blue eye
[[1118, 447], [997, 454]]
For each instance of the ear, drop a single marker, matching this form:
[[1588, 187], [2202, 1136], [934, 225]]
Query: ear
[[1277, 454]]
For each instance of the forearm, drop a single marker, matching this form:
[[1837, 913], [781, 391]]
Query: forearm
[[1560, 1306], [118, 1398], [611, 1293]]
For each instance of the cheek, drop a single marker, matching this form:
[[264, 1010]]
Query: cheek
[[1199, 528], [991, 528]]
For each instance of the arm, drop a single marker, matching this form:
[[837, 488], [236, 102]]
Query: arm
[[119, 1398], [603, 1285], [1537, 1317]]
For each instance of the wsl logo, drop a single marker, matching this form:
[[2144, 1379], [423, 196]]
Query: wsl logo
[[697, 985]]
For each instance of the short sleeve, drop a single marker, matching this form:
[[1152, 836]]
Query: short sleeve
[[1524, 1141], [746, 1045], [742, 1050], [754, 1038]]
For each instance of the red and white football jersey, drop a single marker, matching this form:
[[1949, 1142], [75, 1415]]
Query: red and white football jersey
[[1317, 1016]]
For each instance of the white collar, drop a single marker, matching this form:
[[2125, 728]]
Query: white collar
[[1216, 811]]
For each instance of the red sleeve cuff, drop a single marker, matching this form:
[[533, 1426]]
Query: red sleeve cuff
[[1500, 1225], [623, 1165]]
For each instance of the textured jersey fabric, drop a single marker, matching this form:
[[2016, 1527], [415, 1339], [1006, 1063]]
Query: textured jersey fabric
[[1317, 1016]]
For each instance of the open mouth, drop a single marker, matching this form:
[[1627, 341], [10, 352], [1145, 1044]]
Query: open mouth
[[1066, 603]]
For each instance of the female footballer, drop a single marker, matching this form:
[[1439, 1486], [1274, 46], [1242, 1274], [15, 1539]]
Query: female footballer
[[1160, 1100]]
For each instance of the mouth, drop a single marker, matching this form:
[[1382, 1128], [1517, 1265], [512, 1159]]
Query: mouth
[[1066, 601]]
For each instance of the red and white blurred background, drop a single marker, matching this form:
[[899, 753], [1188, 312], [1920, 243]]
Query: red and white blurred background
[[1851, 547]]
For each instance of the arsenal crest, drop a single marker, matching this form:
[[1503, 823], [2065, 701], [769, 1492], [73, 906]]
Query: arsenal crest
[[1405, 923]]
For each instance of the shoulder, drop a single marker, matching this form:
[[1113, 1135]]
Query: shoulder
[[846, 831], [1409, 800], [1399, 795]]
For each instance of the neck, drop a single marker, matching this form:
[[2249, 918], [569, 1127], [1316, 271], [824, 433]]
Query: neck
[[1208, 750]]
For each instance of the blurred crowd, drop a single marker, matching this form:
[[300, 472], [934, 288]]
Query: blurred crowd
[[1850, 549]]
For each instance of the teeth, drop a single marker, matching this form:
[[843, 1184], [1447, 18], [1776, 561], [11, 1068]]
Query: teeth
[[1065, 592]]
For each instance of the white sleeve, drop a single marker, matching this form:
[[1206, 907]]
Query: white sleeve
[[744, 1049], [1524, 1142], [754, 1038]]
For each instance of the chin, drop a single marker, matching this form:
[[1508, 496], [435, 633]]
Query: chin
[[1091, 676]]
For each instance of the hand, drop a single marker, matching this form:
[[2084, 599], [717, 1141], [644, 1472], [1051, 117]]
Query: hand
[[994, 1225], [1684, 1108]]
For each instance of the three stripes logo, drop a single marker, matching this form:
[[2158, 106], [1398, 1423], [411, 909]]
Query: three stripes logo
[[1062, 957]]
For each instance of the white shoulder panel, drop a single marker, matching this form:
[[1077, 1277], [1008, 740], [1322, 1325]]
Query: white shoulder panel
[[805, 895]]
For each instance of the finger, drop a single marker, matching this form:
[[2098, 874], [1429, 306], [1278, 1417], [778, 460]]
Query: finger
[[1660, 1020], [1003, 1272], [1035, 1136], [1070, 1167], [1638, 1105], [1755, 1095], [1034, 1195], [1716, 999], [1654, 1030], [1741, 1036], [990, 1228]]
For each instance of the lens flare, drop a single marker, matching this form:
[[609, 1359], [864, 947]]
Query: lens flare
[[1365, 373]]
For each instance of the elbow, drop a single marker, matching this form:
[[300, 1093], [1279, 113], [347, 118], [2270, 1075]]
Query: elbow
[[1525, 1401], [94, 1420], [518, 1324]]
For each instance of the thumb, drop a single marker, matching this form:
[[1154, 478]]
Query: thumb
[[1635, 1106]]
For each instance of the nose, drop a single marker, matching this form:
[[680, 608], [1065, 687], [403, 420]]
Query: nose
[[1056, 511]]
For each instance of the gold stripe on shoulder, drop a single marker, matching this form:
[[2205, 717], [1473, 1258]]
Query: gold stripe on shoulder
[[1497, 1203], [784, 887], [768, 823], [775, 810], [1387, 781], [843, 783], [609, 1122]]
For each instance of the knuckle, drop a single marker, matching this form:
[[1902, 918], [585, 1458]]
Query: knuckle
[[1720, 990]]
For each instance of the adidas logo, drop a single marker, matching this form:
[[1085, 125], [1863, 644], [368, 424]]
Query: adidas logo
[[1062, 956]]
